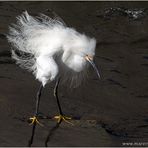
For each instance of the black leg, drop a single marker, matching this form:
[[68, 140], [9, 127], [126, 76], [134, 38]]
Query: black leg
[[36, 114], [38, 99], [56, 96], [60, 117]]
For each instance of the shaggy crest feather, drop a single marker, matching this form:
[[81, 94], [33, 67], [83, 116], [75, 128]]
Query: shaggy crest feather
[[48, 48]]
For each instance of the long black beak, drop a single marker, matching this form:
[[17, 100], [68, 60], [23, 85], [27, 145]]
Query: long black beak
[[93, 65]]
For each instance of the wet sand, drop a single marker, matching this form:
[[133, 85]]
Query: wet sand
[[115, 106]]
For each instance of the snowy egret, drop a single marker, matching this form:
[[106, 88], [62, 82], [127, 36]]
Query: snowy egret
[[51, 51]]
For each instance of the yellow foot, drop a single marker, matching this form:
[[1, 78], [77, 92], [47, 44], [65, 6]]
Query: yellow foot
[[34, 119], [60, 118]]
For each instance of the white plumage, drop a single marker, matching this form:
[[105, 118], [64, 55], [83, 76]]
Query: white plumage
[[48, 48]]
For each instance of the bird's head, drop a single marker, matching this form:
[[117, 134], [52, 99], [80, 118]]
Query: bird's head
[[80, 52]]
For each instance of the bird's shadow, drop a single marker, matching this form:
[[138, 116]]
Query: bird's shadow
[[51, 133], [52, 130], [49, 136]]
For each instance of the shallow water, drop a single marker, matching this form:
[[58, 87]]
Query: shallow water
[[117, 103]]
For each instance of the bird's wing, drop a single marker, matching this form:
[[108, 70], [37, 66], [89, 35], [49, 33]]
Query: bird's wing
[[56, 20], [28, 28]]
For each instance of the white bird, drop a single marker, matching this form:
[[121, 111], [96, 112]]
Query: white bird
[[51, 50]]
